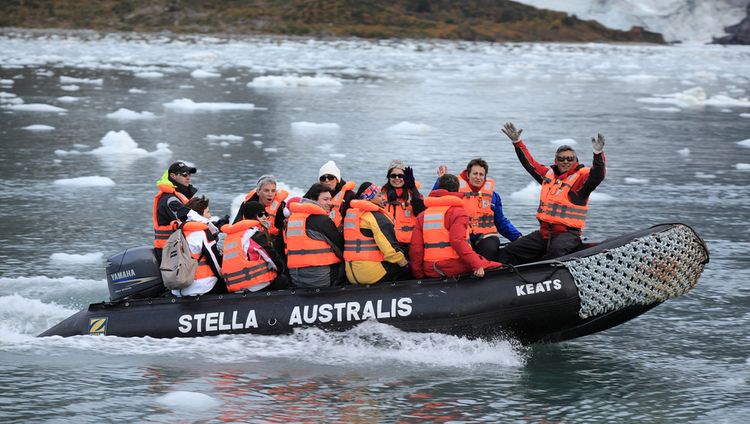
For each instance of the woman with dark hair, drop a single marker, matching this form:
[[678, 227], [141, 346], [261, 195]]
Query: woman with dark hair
[[403, 200]]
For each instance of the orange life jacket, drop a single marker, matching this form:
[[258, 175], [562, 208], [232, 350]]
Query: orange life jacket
[[478, 206], [301, 250], [162, 232], [403, 216], [272, 209], [337, 200], [203, 270], [437, 243], [555, 206], [357, 246], [238, 271]]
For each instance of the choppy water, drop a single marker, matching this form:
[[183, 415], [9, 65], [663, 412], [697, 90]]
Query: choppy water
[[673, 158]]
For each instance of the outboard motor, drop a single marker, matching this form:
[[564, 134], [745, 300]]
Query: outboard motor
[[134, 273]]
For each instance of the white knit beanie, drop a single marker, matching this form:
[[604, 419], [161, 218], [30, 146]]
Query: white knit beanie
[[330, 168]]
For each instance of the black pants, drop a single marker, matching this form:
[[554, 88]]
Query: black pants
[[533, 247], [488, 247]]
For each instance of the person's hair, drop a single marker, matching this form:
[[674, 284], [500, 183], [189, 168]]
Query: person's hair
[[362, 188], [251, 209], [477, 161], [566, 148], [448, 182], [198, 204], [316, 189], [263, 180]]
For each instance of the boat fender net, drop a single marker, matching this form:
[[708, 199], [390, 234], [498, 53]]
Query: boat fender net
[[644, 271]]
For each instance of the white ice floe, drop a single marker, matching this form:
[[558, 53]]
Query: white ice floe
[[149, 74], [6, 82], [201, 74], [38, 127], [81, 146], [284, 81], [71, 87], [337, 155], [684, 152], [663, 109], [743, 166], [136, 91], [257, 143], [304, 127], [631, 180], [61, 152], [35, 107], [271, 149], [412, 128], [562, 141], [228, 137], [695, 97], [744, 115], [123, 114], [6, 95], [744, 143], [187, 105], [71, 258], [68, 99], [188, 401], [116, 144], [73, 80], [704, 176], [94, 181]]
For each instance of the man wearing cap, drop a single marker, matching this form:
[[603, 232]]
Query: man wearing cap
[[169, 203], [343, 192], [371, 249]]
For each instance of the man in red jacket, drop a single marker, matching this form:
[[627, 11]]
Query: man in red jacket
[[439, 243]]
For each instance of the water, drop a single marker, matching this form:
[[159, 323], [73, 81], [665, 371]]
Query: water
[[686, 360]]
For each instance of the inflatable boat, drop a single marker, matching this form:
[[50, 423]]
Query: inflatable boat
[[599, 287]]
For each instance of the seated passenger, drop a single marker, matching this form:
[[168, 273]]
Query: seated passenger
[[371, 250], [314, 246], [203, 248], [249, 261], [343, 192], [438, 244], [403, 201]]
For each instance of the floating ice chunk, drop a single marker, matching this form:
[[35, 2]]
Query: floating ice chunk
[[60, 152], [684, 152], [721, 100], [744, 115], [136, 91], [186, 86], [72, 80], [6, 82], [200, 73], [226, 155], [405, 127], [38, 127], [743, 166], [36, 107], [528, 194], [71, 87], [271, 149], [636, 78], [71, 258], [663, 109], [744, 143], [257, 143], [631, 180], [600, 197], [6, 95], [81, 146], [257, 135], [337, 155], [123, 114], [188, 401], [148, 74], [326, 147], [695, 97], [231, 79], [119, 143], [229, 137], [304, 127], [704, 176], [562, 141], [94, 181], [68, 99], [284, 81], [187, 105]]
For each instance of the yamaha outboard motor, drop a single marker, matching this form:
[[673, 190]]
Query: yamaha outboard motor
[[134, 273]]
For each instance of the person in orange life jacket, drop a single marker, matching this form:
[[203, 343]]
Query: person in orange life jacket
[[487, 222], [202, 244], [563, 202], [169, 208], [403, 201], [439, 245], [273, 200], [314, 246], [250, 263], [371, 249], [343, 192]]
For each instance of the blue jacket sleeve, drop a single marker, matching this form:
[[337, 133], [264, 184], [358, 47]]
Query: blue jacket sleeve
[[503, 224]]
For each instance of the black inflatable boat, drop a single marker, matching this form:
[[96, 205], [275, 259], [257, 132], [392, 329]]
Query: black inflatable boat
[[591, 290]]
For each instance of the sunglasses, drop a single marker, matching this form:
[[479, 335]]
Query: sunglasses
[[566, 158], [327, 177], [184, 174], [263, 214], [394, 176]]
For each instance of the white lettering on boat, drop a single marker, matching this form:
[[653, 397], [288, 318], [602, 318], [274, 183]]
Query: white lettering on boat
[[543, 287], [350, 311], [216, 321]]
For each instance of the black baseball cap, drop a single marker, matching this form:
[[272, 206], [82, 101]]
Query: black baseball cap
[[181, 166]]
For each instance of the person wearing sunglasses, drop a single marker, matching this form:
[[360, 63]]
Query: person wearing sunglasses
[[563, 201], [403, 200], [170, 202], [343, 191]]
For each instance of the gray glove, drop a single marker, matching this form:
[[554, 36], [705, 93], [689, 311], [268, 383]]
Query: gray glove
[[597, 144], [513, 134]]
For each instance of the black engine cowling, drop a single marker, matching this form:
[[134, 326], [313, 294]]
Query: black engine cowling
[[134, 273]]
